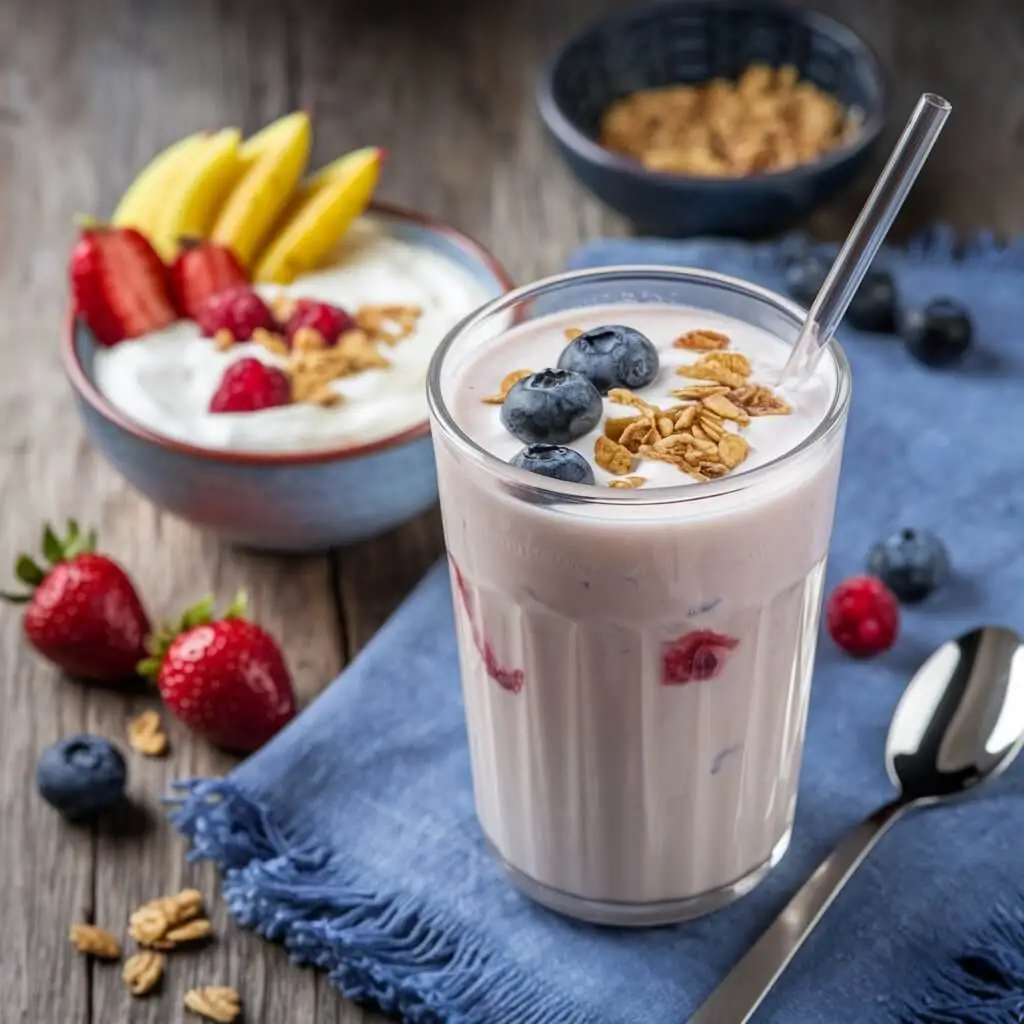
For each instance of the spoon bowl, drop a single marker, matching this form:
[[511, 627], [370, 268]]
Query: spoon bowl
[[961, 719]]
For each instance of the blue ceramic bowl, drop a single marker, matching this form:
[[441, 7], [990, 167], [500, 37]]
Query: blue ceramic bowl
[[282, 502], [682, 41]]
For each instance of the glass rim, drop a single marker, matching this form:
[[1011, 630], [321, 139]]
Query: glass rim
[[558, 491]]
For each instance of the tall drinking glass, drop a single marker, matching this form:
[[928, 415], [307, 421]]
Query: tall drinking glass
[[636, 664]]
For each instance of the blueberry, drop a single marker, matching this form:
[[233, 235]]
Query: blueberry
[[939, 334], [804, 277], [551, 407], [911, 563], [81, 775], [556, 461], [874, 304], [612, 357]]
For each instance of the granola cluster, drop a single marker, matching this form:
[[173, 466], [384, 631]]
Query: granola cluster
[[700, 434], [768, 120]]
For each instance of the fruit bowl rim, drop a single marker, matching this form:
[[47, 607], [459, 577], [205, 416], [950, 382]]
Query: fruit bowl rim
[[87, 390]]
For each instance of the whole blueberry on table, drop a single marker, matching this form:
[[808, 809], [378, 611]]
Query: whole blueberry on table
[[874, 304], [805, 275], [612, 356], [81, 775], [911, 563], [939, 333], [551, 407], [555, 461]]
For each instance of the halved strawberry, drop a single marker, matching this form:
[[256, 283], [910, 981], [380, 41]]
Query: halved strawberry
[[119, 284], [202, 269]]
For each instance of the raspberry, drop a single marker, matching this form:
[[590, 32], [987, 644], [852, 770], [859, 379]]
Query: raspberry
[[239, 310], [863, 616], [250, 385], [330, 321], [697, 656]]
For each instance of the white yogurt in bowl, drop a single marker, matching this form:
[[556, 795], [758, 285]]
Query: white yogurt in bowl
[[164, 380]]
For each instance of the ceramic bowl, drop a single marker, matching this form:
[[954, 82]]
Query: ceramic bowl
[[690, 41], [282, 501]]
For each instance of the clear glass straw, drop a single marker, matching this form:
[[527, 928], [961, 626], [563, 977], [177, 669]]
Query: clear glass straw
[[867, 234]]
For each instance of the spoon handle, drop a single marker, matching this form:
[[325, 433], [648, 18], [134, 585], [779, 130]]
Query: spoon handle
[[751, 979]]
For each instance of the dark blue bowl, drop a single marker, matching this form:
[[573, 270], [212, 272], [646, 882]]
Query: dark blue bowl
[[680, 41]]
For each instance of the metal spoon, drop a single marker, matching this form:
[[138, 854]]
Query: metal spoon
[[959, 723]]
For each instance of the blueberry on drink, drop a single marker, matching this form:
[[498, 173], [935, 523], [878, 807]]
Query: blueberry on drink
[[612, 357], [555, 461], [551, 407]]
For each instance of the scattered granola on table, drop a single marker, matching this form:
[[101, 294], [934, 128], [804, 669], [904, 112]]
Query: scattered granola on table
[[146, 735], [142, 972], [214, 1002], [87, 938], [767, 120], [158, 924]]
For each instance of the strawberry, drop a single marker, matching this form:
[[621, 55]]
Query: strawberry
[[202, 269], [119, 284], [82, 613], [225, 678], [249, 385]]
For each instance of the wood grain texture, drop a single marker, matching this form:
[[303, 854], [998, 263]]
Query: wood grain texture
[[87, 94]]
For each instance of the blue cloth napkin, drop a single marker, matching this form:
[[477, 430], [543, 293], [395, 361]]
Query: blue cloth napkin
[[351, 837]]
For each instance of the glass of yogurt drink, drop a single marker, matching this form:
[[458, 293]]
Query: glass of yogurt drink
[[637, 543]]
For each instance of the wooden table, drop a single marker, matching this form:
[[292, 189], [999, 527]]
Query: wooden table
[[87, 93]]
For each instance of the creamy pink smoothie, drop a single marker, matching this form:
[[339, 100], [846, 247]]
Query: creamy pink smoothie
[[636, 663]]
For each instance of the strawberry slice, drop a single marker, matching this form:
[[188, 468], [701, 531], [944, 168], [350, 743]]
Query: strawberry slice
[[200, 270], [119, 284]]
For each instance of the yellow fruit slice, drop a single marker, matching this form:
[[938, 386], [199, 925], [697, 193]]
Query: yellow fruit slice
[[275, 160], [192, 205], [145, 198], [273, 136], [343, 167], [324, 209]]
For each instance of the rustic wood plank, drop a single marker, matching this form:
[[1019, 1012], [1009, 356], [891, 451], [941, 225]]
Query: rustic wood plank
[[47, 877]]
